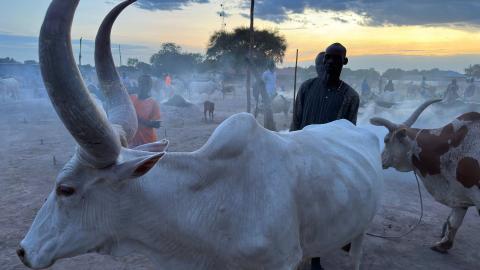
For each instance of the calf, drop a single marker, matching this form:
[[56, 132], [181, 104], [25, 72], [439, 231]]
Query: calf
[[446, 159], [208, 107]]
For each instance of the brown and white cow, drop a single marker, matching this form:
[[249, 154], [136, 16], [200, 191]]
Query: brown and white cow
[[446, 159]]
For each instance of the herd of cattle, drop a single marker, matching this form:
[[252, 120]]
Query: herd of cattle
[[228, 205]]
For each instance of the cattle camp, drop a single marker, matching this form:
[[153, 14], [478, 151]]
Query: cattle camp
[[239, 135]]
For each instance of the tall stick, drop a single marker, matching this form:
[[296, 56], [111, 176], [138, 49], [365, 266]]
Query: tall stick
[[250, 48], [295, 81], [120, 54], [80, 54]]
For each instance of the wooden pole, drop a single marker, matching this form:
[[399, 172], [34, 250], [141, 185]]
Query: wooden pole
[[120, 54], [80, 53], [250, 49], [295, 80]]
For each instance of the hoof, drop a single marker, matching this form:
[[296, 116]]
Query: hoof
[[440, 249]]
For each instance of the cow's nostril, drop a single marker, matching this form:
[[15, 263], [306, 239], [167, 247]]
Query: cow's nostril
[[21, 253]]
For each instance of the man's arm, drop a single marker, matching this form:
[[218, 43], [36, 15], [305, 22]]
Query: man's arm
[[353, 110], [154, 117], [298, 109]]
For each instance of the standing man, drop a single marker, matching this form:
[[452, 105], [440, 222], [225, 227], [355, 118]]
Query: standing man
[[168, 86], [269, 78], [452, 92], [366, 91], [470, 91], [148, 113], [326, 98], [389, 87]]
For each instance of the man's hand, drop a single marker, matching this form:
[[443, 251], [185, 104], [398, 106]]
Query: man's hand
[[150, 124], [155, 123]]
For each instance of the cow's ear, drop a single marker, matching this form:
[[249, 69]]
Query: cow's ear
[[137, 166], [402, 133], [156, 147]]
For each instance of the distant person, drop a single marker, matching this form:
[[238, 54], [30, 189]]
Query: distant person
[[451, 94], [269, 78], [366, 91], [326, 98], [128, 83], [389, 87], [425, 90], [168, 86], [148, 113], [168, 80], [470, 91], [380, 84]]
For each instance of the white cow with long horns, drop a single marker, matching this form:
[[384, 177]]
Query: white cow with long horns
[[235, 203]]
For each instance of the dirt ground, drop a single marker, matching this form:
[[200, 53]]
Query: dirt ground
[[35, 145]]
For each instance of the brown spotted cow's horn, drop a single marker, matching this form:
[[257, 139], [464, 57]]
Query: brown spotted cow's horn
[[99, 144], [121, 112], [411, 120], [377, 121]]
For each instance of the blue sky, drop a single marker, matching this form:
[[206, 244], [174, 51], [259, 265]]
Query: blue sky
[[381, 34]]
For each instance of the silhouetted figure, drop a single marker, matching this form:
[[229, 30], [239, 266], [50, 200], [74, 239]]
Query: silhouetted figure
[[326, 98], [260, 90], [366, 91], [470, 91], [452, 92], [380, 84], [389, 87], [269, 78], [148, 113]]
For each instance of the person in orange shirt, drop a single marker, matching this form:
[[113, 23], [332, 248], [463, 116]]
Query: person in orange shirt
[[168, 86], [168, 80], [148, 113]]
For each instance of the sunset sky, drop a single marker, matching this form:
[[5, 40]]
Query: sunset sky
[[377, 33]]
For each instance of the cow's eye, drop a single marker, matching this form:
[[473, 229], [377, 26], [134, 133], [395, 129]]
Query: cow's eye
[[65, 190]]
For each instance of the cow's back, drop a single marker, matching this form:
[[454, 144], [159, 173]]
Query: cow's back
[[340, 187], [301, 192], [461, 164]]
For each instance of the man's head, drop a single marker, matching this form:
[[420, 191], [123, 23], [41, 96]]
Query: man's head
[[271, 65], [144, 86], [335, 59], [319, 66]]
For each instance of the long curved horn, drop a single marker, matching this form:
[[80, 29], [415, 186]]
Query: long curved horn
[[411, 120], [99, 144], [120, 109], [378, 121]]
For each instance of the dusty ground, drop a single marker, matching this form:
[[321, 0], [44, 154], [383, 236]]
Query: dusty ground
[[32, 137]]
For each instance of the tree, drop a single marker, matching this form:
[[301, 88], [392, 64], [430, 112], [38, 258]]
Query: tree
[[473, 71], [230, 49], [144, 67], [30, 62], [171, 59], [8, 60], [132, 62]]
